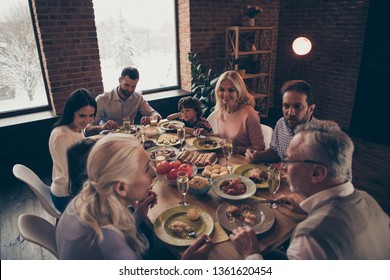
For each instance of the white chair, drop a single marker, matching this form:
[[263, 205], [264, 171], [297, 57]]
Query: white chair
[[38, 231], [267, 134], [212, 119], [40, 189]]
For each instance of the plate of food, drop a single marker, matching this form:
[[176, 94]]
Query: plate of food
[[199, 158], [170, 125], [258, 173], [208, 143], [169, 153], [258, 216], [233, 187], [168, 139], [174, 224]]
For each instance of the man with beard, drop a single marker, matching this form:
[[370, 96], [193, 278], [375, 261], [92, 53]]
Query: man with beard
[[122, 101], [297, 109]]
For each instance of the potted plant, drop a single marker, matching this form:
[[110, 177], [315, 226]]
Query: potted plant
[[203, 84]]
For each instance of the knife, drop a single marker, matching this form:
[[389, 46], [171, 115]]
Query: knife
[[269, 200]]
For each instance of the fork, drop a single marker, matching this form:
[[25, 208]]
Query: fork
[[192, 234]]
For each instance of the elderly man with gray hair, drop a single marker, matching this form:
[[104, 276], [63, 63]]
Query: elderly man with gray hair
[[342, 222]]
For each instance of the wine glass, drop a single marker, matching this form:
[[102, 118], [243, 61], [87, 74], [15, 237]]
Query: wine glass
[[141, 135], [227, 149], [182, 186], [181, 134], [273, 185]]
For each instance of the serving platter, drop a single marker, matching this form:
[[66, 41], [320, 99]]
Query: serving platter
[[170, 153], [204, 224]]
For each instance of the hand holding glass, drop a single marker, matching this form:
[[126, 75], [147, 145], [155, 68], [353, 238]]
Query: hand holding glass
[[182, 186], [227, 149], [273, 185]]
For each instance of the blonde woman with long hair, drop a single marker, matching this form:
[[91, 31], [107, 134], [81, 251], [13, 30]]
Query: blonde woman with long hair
[[236, 117], [97, 223]]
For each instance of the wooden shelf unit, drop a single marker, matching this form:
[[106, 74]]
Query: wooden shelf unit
[[250, 49]]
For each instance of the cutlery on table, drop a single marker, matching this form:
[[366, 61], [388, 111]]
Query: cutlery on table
[[269, 200]]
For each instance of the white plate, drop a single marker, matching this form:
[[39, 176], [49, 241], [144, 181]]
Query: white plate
[[263, 222], [159, 148], [250, 187], [164, 125]]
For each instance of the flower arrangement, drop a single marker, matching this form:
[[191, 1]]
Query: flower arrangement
[[252, 11]]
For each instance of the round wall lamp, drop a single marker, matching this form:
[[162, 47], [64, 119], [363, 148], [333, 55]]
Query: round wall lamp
[[301, 46]]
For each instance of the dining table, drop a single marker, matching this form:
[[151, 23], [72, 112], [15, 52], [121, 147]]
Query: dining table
[[284, 220]]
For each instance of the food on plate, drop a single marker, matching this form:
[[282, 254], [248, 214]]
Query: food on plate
[[151, 131], [208, 143], [196, 158], [233, 187], [214, 171], [233, 211], [165, 152], [241, 212], [199, 182], [149, 144], [193, 214], [167, 139], [258, 175], [180, 228]]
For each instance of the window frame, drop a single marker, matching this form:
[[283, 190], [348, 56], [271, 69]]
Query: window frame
[[48, 107], [178, 77]]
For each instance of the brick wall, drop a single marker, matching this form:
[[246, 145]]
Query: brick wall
[[209, 20], [336, 30], [68, 41]]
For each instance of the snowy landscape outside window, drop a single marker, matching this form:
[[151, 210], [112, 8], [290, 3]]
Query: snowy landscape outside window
[[21, 82], [140, 34]]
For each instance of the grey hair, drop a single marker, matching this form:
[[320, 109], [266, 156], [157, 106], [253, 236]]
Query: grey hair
[[328, 144]]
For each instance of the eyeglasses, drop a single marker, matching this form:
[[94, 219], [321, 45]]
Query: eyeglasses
[[286, 161]]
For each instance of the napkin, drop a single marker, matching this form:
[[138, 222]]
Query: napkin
[[219, 234]]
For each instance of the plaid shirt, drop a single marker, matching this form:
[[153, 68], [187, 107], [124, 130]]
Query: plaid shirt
[[281, 137], [200, 123]]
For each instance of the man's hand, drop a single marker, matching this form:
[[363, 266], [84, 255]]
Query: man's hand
[[245, 241], [293, 202], [250, 154]]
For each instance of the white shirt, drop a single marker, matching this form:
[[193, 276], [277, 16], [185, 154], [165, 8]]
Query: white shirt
[[304, 247]]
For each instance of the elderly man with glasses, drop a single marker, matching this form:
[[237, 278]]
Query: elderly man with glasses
[[342, 222]]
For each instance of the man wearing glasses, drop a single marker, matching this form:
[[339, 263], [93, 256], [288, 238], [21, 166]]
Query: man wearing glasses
[[298, 107], [342, 222]]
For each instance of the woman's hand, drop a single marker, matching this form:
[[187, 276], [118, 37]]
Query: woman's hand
[[245, 241], [143, 206], [293, 202], [109, 125], [199, 250]]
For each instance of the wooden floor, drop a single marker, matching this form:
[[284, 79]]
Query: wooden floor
[[371, 172]]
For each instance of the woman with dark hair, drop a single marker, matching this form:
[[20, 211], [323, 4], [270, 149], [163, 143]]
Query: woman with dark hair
[[80, 109], [77, 155]]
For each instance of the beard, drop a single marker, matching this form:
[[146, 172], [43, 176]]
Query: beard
[[292, 121], [125, 92]]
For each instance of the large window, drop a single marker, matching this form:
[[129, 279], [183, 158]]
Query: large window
[[141, 34], [21, 82]]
